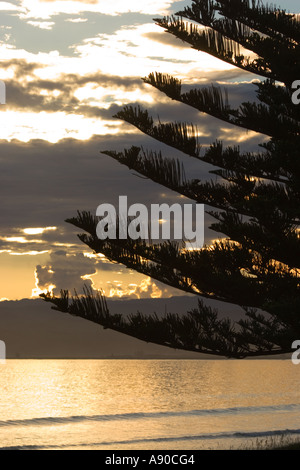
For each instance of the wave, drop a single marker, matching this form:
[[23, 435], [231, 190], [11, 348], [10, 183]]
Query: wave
[[199, 437], [150, 415]]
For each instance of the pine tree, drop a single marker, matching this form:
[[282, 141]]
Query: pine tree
[[255, 200]]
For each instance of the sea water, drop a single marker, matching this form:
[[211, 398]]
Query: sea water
[[146, 404]]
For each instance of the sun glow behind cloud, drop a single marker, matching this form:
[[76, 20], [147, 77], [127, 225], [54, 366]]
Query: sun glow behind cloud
[[52, 127], [127, 283], [95, 95], [37, 291], [37, 231]]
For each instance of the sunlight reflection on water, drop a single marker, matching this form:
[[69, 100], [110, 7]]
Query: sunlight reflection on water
[[145, 404]]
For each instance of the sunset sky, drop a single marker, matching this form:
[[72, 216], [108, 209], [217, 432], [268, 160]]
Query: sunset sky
[[69, 66]]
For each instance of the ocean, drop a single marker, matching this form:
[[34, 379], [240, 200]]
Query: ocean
[[146, 404]]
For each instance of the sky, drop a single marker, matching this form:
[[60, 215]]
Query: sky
[[69, 66]]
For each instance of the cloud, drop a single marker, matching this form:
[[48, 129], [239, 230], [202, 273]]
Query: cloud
[[76, 20], [27, 91], [163, 38], [64, 271], [6, 6], [37, 230], [21, 68], [62, 178], [65, 177], [135, 50], [84, 103], [71, 174], [72, 271], [79, 106], [146, 288], [42, 24], [47, 8]]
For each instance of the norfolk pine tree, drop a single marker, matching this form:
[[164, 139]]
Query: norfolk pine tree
[[253, 198]]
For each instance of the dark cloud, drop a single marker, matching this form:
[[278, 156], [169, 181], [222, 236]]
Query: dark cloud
[[164, 38], [41, 184], [21, 67], [164, 59], [65, 271], [43, 276], [36, 94], [29, 95]]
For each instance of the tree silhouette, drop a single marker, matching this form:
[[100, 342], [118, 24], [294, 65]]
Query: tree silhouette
[[253, 198]]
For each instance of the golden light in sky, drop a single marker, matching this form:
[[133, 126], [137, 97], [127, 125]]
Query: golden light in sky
[[37, 231]]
